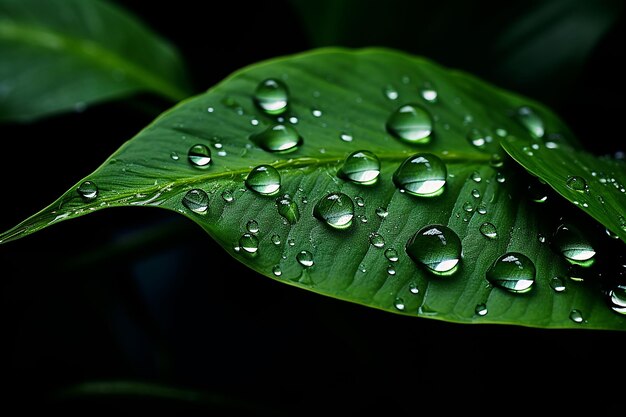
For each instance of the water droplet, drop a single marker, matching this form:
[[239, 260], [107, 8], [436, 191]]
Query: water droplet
[[541, 238], [199, 155], [88, 190], [377, 240], [391, 254], [305, 258], [288, 209], [437, 247], [359, 201], [413, 288], [482, 209], [576, 316], [617, 298], [399, 303], [336, 210], [382, 212], [391, 270], [276, 240], [577, 183], [272, 96], [421, 175], [481, 309], [500, 177], [277, 271], [263, 179], [346, 137], [411, 123], [174, 156], [361, 167], [538, 192], [513, 272], [249, 243], [572, 244], [476, 177], [496, 160], [477, 137], [428, 92], [196, 200], [531, 121], [475, 193], [390, 92], [252, 226], [316, 112], [227, 196], [557, 284], [467, 206], [488, 230], [612, 235], [278, 138]]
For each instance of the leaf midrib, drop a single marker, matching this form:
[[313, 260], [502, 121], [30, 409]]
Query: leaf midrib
[[89, 51]]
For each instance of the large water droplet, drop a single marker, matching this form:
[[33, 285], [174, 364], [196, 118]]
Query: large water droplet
[[264, 180], [399, 303], [361, 167], [481, 309], [436, 247], [577, 183], [617, 298], [305, 258], [196, 200], [557, 284], [272, 96], [278, 138], [513, 271], [411, 123], [421, 175], [576, 316], [249, 243], [199, 155], [288, 209], [531, 121], [88, 190], [391, 254], [488, 230], [377, 240], [336, 210], [572, 244]]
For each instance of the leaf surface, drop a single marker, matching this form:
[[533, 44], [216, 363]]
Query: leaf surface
[[340, 102], [61, 55]]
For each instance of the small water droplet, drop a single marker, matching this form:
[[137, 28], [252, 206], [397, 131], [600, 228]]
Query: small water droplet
[[612, 235], [264, 180], [477, 137], [476, 177], [277, 271], [359, 201], [199, 155], [390, 92], [288, 209], [278, 138], [421, 175], [336, 210], [616, 297], [360, 167], [481, 309], [210, 109], [541, 238], [196, 200], [377, 240], [488, 230], [88, 190], [391, 270], [413, 288], [411, 123], [276, 240], [437, 247], [531, 121], [577, 183], [429, 93], [272, 96], [496, 160], [252, 226], [538, 192], [391, 254], [557, 284], [399, 303], [482, 209], [346, 137], [475, 193], [500, 177], [468, 207], [174, 156], [513, 271], [249, 243], [316, 112], [227, 196], [382, 212], [305, 258], [576, 316]]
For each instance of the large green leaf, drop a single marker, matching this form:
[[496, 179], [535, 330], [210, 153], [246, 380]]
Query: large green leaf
[[60, 55], [340, 102]]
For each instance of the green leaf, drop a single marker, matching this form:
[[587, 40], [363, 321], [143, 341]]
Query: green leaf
[[595, 184], [60, 55], [340, 102]]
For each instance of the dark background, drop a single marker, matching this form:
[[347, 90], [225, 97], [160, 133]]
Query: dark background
[[143, 295]]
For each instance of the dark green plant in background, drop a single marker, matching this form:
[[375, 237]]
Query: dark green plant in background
[[363, 171]]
